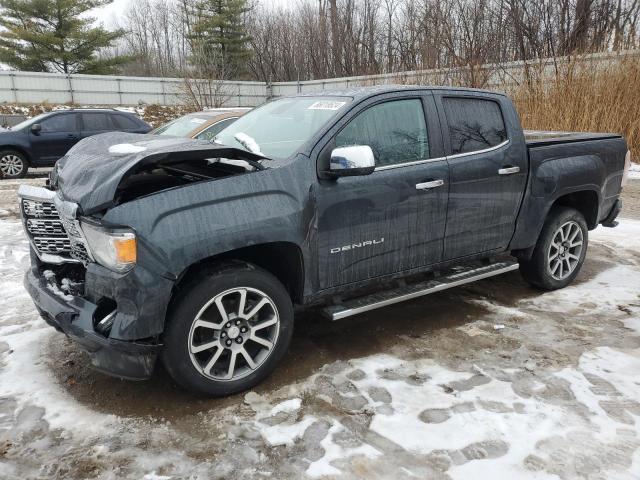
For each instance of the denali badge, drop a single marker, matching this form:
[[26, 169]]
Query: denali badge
[[353, 246]]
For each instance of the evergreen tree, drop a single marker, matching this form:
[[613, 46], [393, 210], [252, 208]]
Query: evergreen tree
[[219, 38], [51, 35]]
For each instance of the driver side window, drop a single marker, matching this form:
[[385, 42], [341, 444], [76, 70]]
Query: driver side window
[[396, 132]]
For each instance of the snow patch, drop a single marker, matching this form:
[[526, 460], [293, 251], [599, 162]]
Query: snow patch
[[634, 171], [288, 406], [126, 149], [248, 142], [286, 434]]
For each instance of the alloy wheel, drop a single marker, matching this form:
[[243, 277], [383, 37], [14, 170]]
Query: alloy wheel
[[11, 165], [565, 250], [233, 334]]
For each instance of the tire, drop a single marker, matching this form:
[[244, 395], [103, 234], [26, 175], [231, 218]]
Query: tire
[[13, 164], [551, 267], [199, 344]]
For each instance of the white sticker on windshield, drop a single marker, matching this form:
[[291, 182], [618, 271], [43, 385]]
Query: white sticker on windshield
[[326, 105], [198, 121]]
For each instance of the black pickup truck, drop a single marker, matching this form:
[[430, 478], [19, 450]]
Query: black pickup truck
[[196, 252]]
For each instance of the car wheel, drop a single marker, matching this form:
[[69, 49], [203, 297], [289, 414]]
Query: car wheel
[[227, 330], [559, 252], [13, 164]]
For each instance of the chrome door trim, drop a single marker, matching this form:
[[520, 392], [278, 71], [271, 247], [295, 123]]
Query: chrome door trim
[[476, 152], [410, 164]]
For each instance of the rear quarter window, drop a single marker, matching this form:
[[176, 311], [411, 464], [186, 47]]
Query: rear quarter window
[[124, 122], [474, 124]]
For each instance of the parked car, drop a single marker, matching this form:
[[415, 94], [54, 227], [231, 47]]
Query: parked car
[[40, 141], [203, 125], [196, 253]]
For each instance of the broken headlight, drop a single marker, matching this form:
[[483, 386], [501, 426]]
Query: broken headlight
[[112, 247]]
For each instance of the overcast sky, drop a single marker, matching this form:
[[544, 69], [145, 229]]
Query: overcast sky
[[109, 14]]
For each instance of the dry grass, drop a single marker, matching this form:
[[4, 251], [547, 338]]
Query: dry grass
[[583, 98]]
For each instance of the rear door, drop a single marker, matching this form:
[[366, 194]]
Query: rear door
[[387, 221], [94, 123], [58, 133], [488, 171]]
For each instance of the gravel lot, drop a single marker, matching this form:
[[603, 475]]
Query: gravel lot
[[491, 380]]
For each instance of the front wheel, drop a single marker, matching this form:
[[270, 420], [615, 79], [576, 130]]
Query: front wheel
[[13, 164], [228, 330], [559, 252]]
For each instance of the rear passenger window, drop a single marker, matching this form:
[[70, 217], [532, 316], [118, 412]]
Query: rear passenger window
[[123, 122], [396, 132], [96, 121], [474, 124]]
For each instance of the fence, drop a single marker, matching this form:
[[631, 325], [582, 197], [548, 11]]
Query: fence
[[55, 88]]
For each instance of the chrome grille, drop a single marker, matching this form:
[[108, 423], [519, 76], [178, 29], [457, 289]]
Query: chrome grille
[[45, 227], [54, 237], [52, 245], [34, 208], [79, 252]]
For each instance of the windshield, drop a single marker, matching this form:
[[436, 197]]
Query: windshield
[[182, 126], [28, 122], [279, 128]]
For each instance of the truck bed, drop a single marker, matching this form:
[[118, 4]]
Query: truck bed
[[541, 138]]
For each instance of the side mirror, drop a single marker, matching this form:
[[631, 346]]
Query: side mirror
[[351, 161], [35, 128]]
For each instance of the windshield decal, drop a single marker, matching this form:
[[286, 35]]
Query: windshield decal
[[326, 105]]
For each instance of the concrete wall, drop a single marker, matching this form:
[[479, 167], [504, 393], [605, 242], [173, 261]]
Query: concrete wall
[[55, 88]]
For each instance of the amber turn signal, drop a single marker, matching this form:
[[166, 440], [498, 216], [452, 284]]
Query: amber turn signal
[[126, 250]]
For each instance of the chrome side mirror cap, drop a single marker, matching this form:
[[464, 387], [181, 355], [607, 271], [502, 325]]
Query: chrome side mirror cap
[[352, 160]]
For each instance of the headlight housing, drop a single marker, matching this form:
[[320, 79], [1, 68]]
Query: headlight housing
[[112, 247]]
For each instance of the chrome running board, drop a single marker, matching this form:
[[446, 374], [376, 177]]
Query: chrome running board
[[457, 276]]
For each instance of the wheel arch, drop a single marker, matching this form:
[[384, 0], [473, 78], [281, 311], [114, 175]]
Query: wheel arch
[[585, 201], [284, 260], [19, 149]]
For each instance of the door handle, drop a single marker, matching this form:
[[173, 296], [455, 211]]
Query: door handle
[[429, 185], [508, 170]]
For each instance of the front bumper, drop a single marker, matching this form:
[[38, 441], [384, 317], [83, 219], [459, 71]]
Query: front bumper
[[74, 315]]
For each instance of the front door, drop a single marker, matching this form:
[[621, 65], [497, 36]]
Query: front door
[[58, 133], [393, 219], [488, 172]]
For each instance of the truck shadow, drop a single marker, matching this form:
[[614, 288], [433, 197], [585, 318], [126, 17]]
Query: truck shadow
[[400, 330]]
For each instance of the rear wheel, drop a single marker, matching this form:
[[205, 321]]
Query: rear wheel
[[13, 164], [560, 251], [228, 330]]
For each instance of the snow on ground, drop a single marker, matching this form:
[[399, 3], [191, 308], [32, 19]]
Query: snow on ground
[[634, 171], [511, 383]]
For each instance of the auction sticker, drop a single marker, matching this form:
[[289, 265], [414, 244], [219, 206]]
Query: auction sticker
[[326, 105]]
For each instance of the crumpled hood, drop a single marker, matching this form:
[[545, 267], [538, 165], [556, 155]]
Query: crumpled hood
[[89, 174]]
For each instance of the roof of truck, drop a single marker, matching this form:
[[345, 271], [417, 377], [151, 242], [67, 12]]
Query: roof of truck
[[362, 92]]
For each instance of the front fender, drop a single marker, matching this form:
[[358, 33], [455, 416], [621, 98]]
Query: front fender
[[179, 227]]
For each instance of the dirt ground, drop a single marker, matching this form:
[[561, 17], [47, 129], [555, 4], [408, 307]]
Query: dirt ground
[[491, 380]]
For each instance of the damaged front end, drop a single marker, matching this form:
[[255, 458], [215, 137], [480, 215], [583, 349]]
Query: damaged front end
[[98, 282], [64, 280]]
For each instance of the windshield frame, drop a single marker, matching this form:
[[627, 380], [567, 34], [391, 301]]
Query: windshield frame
[[310, 142]]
